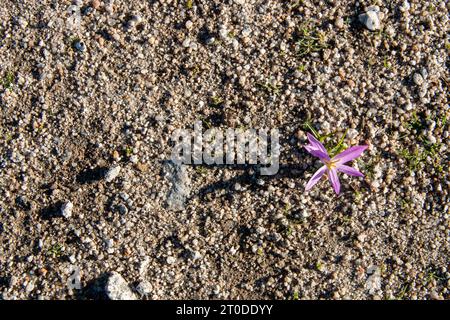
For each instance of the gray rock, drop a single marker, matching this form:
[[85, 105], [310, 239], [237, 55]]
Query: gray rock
[[117, 288], [178, 177], [371, 19]]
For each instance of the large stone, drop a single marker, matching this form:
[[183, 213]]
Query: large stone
[[117, 288], [180, 189], [371, 19]]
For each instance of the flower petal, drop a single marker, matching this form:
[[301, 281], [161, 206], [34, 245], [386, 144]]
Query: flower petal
[[349, 170], [316, 152], [316, 143], [315, 178], [349, 154], [332, 174]]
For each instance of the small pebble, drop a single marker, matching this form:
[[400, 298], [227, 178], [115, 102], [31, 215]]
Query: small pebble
[[66, 209], [112, 173], [371, 19], [418, 79]]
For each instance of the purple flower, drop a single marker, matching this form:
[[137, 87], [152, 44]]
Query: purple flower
[[332, 165]]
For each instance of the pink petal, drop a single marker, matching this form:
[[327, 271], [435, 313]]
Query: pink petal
[[349, 154], [315, 178], [332, 174], [316, 143], [350, 171], [316, 152]]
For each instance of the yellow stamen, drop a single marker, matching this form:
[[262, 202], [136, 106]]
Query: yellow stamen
[[331, 164]]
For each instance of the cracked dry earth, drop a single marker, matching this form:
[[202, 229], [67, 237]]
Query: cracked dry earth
[[88, 105]]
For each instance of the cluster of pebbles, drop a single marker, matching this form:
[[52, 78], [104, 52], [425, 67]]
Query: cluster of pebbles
[[92, 208]]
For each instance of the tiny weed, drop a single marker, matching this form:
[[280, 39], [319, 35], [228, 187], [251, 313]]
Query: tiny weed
[[128, 151], [443, 121], [216, 101], [295, 4], [301, 68], [270, 88], [201, 170], [206, 122], [387, 64], [310, 41], [55, 250], [358, 197], [368, 167], [319, 266], [416, 159], [8, 81], [404, 289]]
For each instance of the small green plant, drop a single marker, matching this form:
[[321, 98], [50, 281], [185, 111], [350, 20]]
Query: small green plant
[[301, 68], [443, 121], [8, 81], [55, 250], [358, 197], [201, 170], [295, 4], [368, 167], [269, 87], [287, 209], [346, 219], [128, 151], [189, 4], [288, 231], [386, 63], [416, 159], [296, 295], [310, 41], [319, 266], [206, 122], [340, 145], [404, 289], [406, 205], [216, 101], [8, 137], [416, 123]]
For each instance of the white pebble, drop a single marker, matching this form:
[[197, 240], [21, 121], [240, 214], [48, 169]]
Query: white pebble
[[66, 209], [171, 260], [112, 173]]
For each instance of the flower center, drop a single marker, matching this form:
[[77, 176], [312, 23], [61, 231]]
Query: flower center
[[330, 164]]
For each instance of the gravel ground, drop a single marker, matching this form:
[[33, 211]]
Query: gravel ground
[[87, 203]]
